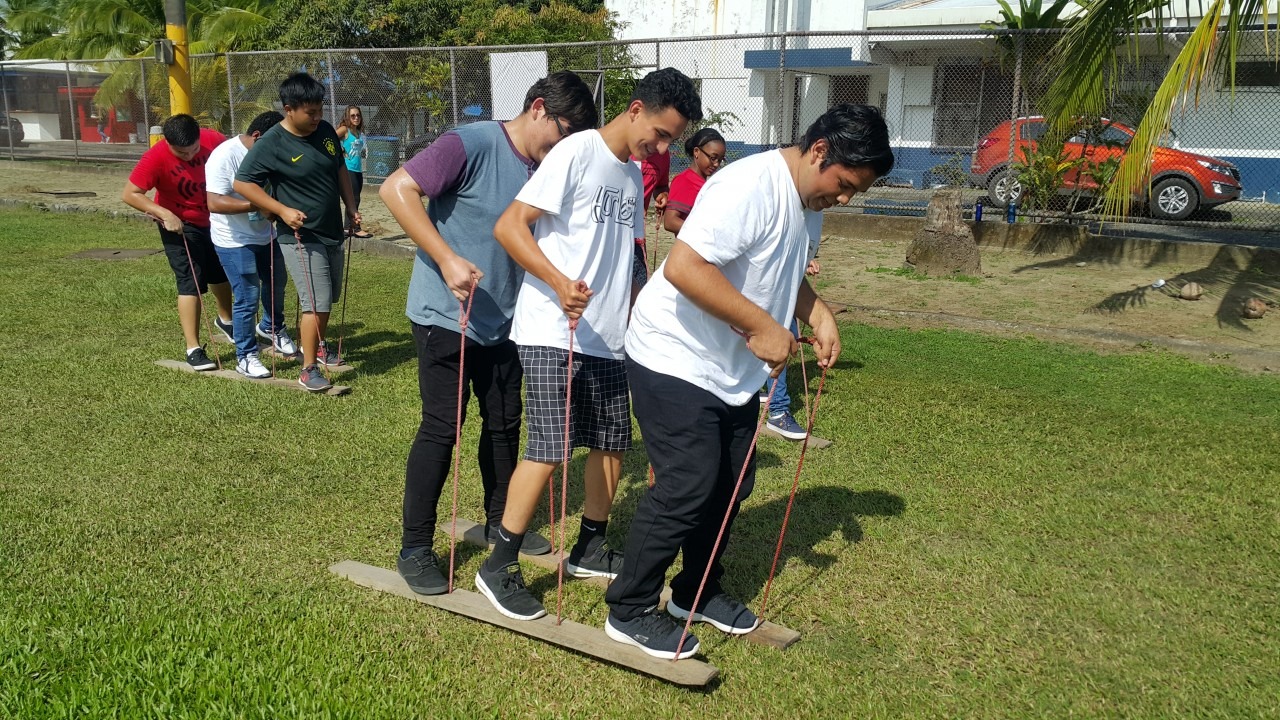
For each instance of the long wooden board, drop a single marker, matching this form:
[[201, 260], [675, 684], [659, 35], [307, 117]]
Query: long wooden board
[[574, 636], [233, 375], [768, 633], [265, 350]]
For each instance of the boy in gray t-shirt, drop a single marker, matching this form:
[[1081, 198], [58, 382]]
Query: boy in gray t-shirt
[[470, 174]]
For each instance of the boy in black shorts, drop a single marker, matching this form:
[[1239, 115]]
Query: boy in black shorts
[[302, 160], [584, 204]]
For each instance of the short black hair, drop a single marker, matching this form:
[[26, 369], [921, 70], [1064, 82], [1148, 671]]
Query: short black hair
[[301, 89], [565, 95], [181, 130], [700, 138], [669, 88], [264, 122], [856, 136]]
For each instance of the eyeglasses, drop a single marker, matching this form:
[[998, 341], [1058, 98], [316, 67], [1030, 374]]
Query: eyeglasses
[[354, 115], [563, 133], [713, 159]]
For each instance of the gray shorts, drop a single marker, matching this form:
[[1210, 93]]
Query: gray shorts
[[601, 405], [319, 267]]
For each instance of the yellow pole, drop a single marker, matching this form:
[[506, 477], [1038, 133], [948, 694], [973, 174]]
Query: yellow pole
[[175, 30]]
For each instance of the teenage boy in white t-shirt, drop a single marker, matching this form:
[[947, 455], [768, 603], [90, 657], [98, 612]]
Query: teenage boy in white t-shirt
[[242, 238], [736, 269], [584, 204]]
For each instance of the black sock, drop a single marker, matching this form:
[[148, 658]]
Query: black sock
[[506, 549], [590, 534]]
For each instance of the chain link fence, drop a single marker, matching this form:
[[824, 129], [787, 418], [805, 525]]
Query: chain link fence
[[959, 105]]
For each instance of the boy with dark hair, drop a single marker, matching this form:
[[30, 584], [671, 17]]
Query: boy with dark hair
[[242, 238], [737, 269], [584, 205], [175, 167], [302, 160], [470, 174]]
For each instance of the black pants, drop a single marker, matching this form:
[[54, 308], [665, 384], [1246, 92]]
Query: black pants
[[494, 374], [697, 445], [357, 185]]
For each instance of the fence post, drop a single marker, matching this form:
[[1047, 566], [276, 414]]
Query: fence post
[[1013, 111], [333, 90], [453, 85], [4, 92], [782, 84], [231, 96], [146, 103], [71, 108], [600, 69]]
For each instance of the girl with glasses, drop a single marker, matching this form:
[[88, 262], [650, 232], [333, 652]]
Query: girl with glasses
[[355, 150], [706, 151]]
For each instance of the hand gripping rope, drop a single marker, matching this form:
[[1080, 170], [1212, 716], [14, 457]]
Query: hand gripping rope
[[764, 409], [564, 465], [213, 344], [464, 317]]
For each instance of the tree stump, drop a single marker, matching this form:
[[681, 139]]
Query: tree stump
[[945, 245]]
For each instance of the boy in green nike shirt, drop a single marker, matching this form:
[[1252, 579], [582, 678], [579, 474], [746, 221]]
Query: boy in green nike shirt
[[301, 161]]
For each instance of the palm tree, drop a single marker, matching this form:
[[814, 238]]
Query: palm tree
[[1088, 73]]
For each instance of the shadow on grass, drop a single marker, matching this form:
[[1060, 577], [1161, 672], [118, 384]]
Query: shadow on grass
[[376, 353], [818, 512]]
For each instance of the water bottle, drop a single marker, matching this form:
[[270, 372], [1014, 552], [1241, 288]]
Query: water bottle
[[977, 211], [1011, 213]]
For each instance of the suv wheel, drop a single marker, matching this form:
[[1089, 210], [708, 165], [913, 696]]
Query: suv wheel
[[1003, 188], [1174, 199]]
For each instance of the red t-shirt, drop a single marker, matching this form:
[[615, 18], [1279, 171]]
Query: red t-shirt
[[179, 184], [656, 170], [684, 190]]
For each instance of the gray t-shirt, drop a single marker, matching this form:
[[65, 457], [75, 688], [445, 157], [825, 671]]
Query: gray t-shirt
[[471, 175]]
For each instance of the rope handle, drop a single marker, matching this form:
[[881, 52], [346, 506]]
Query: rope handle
[[464, 318]]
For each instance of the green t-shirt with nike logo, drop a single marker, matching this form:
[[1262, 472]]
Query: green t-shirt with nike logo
[[302, 173]]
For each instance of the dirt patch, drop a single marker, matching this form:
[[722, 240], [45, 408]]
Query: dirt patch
[[1100, 300]]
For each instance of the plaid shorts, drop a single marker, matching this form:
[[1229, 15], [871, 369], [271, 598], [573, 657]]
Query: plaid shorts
[[601, 411]]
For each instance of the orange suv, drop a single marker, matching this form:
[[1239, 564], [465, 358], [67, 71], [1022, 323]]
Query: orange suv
[[1181, 182]]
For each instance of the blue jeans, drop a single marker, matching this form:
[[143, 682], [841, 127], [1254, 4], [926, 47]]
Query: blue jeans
[[779, 398], [247, 269]]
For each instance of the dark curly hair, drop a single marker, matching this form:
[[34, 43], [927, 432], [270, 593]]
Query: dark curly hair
[[856, 136], [669, 88], [264, 122], [700, 138]]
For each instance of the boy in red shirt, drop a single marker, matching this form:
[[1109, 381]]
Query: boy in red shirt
[[174, 167]]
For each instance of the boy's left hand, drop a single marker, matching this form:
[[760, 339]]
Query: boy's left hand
[[355, 218], [660, 202]]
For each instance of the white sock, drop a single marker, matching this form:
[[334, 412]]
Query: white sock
[[192, 349]]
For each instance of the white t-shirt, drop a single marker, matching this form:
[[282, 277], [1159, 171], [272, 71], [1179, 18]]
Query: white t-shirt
[[591, 217], [231, 231], [748, 222]]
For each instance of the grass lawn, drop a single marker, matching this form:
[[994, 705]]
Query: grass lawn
[[1003, 528]]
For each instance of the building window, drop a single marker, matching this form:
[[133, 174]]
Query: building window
[[969, 99]]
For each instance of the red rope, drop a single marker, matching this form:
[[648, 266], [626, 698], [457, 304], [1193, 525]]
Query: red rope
[[464, 317], [795, 485], [275, 311], [346, 280], [564, 464], [213, 345]]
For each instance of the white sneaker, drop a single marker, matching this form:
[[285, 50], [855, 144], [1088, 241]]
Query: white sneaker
[[251, 367], [281, 343]]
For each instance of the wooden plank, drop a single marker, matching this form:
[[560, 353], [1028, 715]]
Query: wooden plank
[[233, 375], [269, 352], [568, 634], [768, 633]]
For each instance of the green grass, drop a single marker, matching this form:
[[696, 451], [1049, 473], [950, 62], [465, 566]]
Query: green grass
[[1003, 528], [911, 274]]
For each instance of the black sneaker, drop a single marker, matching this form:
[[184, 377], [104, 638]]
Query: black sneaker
[[656, 633], [533, 543], [198, 360], [225, 327], [720, 612], [505, 589], [421, 571], [600, 562]]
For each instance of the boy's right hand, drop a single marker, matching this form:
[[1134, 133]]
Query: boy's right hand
[[171, 222], [774, 346], [574, 296], [293, 218], [460, 276]]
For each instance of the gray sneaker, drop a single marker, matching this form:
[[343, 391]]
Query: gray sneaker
[[533, 543], [313, 380], [421, 571], [601, 561], [656, 633], [720, 612], [505, 589]]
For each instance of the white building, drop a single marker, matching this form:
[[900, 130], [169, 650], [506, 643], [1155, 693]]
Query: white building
[[939, 88]]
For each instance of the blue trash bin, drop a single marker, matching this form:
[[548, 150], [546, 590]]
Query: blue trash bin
[[384, 158]]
